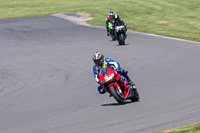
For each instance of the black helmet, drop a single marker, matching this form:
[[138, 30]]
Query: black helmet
[[98, 59], [116, 17]]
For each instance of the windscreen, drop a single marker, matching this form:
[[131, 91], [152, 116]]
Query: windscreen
[[104, 70]]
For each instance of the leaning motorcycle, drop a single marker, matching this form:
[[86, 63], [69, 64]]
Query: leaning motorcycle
[[120, 91], [117, 32]]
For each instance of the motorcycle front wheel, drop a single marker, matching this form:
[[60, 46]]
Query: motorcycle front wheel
[[117, 94], [121, 39]]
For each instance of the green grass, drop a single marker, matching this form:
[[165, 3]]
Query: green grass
[[188, 129], [174, 18]]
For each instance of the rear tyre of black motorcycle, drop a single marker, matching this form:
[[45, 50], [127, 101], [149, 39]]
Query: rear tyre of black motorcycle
[[136, 96], [117, 97]]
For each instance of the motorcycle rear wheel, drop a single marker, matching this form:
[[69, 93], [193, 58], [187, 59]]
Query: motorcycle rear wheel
[[136, 96], [117, 95]]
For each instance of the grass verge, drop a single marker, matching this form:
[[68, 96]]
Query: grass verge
[[195, 128]]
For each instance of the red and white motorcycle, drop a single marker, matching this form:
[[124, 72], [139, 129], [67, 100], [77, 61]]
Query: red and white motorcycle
[[108, 78]]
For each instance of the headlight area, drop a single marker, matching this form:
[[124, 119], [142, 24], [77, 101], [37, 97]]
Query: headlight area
[[119, 28], [107, 78]]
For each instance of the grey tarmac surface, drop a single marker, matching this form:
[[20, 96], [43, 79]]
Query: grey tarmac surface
[[47, 83]]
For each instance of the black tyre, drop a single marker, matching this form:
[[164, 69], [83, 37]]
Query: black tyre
[[119, 96], [121, 39], [136, 96]]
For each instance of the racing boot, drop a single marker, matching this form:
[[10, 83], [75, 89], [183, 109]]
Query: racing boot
[[101, 90]]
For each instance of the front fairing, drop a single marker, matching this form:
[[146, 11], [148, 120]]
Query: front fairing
[[120, 28], [107, 78], [106, 75], [110, 28], [110, 25]]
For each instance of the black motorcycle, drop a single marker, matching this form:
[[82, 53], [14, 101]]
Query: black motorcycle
[[118, 32]]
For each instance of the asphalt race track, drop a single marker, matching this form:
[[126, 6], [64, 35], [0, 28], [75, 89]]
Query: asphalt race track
[[47, 83]]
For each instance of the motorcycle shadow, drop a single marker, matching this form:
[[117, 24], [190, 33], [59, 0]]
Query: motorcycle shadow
[[118, 44], [123, 45], [116, 104]]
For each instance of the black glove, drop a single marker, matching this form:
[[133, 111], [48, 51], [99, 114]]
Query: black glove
[[118, 70]]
